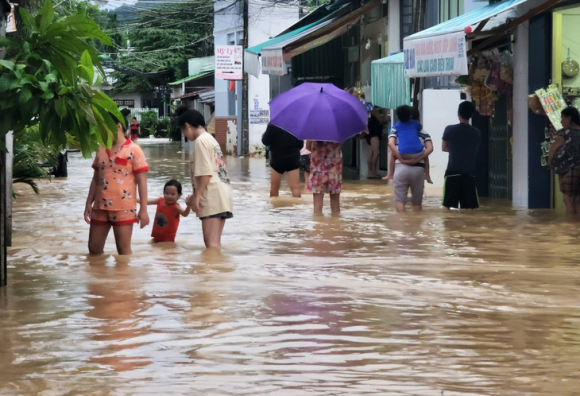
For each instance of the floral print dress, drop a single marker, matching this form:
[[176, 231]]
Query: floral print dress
[[325, 168]]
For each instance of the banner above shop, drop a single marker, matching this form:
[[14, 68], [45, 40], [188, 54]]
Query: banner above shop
[[273, 62], [443, 55], [229, 62]]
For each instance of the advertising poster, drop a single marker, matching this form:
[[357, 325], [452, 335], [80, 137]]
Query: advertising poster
[[229, 62], [443, 55]]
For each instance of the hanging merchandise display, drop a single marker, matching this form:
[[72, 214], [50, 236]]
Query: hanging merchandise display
[[490, 76], [552, 103], [570, 67]]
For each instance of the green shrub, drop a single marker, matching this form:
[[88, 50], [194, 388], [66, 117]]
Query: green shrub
[[149, 122], [163, 127]]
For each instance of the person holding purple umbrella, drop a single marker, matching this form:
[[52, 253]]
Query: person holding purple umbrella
[[325, 116], [325, 174]]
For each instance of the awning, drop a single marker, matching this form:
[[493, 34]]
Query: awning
[[442, 49], [389, 86], [276, 52], [252, 63], [191, 78], [274, 57], [194, 94]]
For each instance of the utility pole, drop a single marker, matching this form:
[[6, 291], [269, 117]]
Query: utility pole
[[245, 109], [5, 192], [419, 7]]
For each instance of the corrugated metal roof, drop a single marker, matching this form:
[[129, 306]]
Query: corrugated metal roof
[[497, 13], [191, 78]]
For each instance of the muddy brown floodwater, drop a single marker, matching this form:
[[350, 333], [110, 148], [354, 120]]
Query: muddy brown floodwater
[[480, 303]]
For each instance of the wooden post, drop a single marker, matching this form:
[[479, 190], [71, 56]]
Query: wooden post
[[3, 228], [9, 164], [245, 143], [5, 183]]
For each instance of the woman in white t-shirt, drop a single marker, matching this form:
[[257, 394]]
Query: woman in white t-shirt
[[212, 198]]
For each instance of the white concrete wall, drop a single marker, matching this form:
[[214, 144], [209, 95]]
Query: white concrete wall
[[470, 5], [520, 182], [225, 22], [439, 109], [265, 23], [394, 27]]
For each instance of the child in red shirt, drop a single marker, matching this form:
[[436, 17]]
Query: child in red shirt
[[168, 212]]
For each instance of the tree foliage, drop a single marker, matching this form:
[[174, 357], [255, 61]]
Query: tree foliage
[[47, 79], [162, 40]]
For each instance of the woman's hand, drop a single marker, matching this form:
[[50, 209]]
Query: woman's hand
[[88, 213], [143, 217], [195, 203]]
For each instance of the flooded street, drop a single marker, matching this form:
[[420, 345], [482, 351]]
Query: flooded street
[[371, 302]]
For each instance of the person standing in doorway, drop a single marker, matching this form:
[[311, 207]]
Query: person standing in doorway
[[374, 137], [461, 141], [135, 130], [212, 199], [285, 158]]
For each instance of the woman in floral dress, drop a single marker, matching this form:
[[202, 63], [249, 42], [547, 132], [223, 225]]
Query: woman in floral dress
[[325, 174]]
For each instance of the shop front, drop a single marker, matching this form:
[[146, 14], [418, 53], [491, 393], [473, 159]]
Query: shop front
[[337, 49], [490, 51]]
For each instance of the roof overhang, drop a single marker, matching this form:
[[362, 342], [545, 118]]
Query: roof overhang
[[443, 49]]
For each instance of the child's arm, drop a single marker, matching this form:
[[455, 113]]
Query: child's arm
[[141, 180], [152, 201], [202, 182], [184, 212], [91, 199]]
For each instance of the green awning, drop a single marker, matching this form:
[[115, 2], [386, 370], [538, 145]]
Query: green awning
[[257, 49], [191, 78], [389, 86]]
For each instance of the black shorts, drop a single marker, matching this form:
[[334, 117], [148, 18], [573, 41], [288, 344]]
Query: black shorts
[[460, 191], [305, 163], [223, 215], [285, 166]]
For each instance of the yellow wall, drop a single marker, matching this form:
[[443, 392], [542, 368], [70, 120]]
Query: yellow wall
[[557, 59]]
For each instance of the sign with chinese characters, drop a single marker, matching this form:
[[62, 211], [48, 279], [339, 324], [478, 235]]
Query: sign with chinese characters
[[443, 55], [229, 62], [273, 62]]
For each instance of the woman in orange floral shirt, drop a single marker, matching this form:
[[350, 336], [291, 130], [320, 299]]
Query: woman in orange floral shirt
[[112, 199]]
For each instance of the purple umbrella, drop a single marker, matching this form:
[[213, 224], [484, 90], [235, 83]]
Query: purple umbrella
[[319, 112]]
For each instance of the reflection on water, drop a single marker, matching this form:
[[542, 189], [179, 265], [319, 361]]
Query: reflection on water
[[370, 302]]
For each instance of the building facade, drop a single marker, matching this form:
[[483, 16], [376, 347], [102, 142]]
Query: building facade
[[266, 19]]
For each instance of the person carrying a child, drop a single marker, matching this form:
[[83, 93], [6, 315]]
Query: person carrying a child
[[410, 146], [212, 199], [416, 118], [168, 212], [112, 199]]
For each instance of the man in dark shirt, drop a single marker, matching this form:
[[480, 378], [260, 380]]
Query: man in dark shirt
[[461, 141]]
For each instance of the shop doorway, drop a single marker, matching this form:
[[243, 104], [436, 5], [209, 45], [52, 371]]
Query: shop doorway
[[500, 151]]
